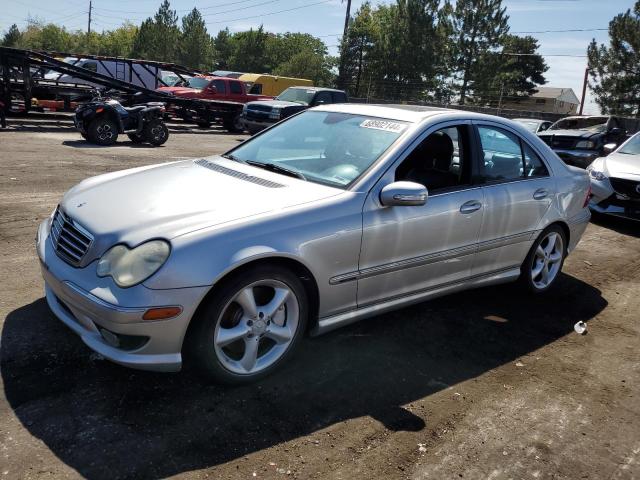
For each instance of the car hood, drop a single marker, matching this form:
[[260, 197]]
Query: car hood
[[622, 166], [278, 103], [172, 199], [178, 90], [568, 133]]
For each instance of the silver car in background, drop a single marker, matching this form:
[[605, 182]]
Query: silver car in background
[[615, 180], [336, 214]]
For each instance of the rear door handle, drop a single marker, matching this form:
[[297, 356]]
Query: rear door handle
[[470, 206], [540, 194]]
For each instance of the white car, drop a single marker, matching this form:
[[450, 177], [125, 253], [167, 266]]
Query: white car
[[615, 181]]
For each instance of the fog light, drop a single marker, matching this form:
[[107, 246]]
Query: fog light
[[110, 337], [162, 313]]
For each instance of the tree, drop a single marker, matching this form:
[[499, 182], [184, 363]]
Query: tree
[[196, 45], [478, 27], [222, 49], [515, 71], [158, 37], [614, 71], [12, 37], [249, 53]]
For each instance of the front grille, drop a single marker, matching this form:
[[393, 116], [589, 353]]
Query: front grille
[[260, 108], [70, 241], [559, 142], [628, 188], [258, 116]]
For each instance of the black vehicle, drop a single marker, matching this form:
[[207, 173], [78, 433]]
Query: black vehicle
[[580, 140], [261, 114], [102, 120]]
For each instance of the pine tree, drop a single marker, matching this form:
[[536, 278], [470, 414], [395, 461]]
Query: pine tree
[[478, 27], [158, 37], [196, 45], [615, 70], [222, 49], [12, 37]]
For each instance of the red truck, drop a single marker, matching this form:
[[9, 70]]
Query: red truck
[[213, 88]]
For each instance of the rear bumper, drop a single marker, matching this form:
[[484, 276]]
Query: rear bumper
[[577, 226]]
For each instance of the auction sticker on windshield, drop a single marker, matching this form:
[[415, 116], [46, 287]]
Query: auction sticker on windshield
[[385, 125]]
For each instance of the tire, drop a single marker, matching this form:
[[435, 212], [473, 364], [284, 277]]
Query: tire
[[156, 133], [224, 334], [233, 125], [103, 131], [84, 135], [547, 254], [136, 137]]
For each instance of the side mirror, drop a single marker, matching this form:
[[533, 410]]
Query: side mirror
[[609, 147], [399, 194], [615, 131]]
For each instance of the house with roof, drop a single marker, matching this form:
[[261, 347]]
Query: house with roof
[[547, 99]]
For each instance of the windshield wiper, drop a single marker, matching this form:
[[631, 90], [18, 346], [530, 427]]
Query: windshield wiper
[[231, 156], [272, 167]]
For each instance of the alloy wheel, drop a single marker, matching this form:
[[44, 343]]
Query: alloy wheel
[[256, 327], [104, 132], [547, 260]]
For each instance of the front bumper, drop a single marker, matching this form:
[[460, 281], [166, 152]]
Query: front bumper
[[617, 207], [256, 125], [577, 158], [88, 305]]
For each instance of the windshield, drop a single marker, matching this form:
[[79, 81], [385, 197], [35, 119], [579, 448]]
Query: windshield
[[297, 95], [325, 147], [198, 82], [632, 147], [597, 124], [531, 126]]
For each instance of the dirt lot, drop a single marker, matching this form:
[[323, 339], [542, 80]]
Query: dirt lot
[[484, 384]]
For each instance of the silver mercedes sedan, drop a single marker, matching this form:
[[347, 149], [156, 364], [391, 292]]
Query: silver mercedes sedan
[[336, 214]]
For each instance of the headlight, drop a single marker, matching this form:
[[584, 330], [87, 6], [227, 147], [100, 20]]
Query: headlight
[[596, 174], [586, 144], [275, 114], [129, 267]]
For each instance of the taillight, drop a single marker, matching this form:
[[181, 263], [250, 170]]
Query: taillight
[[586, 200], [99, 109]]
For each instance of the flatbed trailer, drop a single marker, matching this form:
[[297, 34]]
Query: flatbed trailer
[[21, 80]]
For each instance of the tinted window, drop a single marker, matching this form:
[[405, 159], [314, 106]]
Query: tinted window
[[440, 161], [92, 66], [220, 86], [506, 157], [339, 97], [255, 89], [322, 97], [198, 82], [235, 87]]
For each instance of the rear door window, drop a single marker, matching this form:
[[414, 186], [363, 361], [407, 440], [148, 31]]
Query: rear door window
[[235, 88]]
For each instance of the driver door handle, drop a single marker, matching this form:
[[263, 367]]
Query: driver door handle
[[470, 206], [540, 194]]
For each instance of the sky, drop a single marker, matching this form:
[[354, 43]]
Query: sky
[[564, 51]]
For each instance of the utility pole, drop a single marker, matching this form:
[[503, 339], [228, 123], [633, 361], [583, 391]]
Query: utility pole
[[584, 89], [89, 22], [346, 19]]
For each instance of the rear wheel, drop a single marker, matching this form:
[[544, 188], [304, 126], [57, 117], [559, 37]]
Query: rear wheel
[[156, 133], [103, 132], [543, 264], [250, 326]]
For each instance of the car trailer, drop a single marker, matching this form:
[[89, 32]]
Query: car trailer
[[23, 79]]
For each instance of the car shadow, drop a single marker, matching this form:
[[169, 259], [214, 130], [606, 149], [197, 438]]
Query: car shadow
[[106, 421], [624, 226]]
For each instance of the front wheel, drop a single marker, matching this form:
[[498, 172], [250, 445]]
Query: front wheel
[[544, 261], [234, 124], [156, 133], [250, 326], [103, 132]]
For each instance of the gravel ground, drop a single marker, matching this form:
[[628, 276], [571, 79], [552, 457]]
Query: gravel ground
[[490, 383]]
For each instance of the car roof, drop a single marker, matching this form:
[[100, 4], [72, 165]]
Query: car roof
[[405, 113], [539, 120], [317, 89]]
